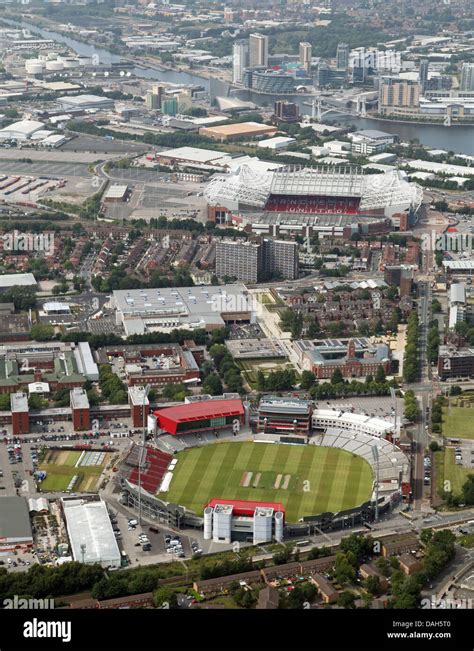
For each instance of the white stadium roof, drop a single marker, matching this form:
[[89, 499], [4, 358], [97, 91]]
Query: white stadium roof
[[244, 186]]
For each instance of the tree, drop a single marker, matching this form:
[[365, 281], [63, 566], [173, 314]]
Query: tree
[[337, 377], [468, 490], [164, 595], [346, 599], [383, 566], [42, 332], [307, 379], [212, 385], [344, 571], [372, 585], [455, 390], [433, 446], [380, 375], [5, 402]]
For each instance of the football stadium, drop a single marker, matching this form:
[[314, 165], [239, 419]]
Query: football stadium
[[323, 190]]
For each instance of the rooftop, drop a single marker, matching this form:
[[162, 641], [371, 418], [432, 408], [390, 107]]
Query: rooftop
[[11, 280], [19, 402], [14, 519], [79, 399]]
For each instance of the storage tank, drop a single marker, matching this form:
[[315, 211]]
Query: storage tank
[[54, 65], [34, 67], [151, 424], [208, 523], [70, 62], [279, 526]]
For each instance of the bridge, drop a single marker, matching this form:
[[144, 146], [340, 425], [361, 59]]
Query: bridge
[[321, 107]]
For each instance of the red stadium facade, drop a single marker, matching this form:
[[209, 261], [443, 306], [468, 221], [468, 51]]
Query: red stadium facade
[[199, 416]]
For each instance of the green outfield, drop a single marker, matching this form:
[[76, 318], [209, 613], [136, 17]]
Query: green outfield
[[307, 479]]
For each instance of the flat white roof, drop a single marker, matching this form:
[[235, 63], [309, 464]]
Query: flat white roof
[[116, 191], [10, 280], [25, 127], [194, 154], [79, 399], [88, 524], [137, 395], [18, 402]]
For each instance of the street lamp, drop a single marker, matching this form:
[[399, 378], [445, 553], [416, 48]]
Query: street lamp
[[146, 390]]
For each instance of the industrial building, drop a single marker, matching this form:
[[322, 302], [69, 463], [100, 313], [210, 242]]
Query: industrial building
[[90, 531], [22, 130], [277, 143], [239, 131], [284, 416], [201, 415], [115, 193], [191, 308], [7, 281], [249, 521], [15, 525], [85, 102], [353, 357]]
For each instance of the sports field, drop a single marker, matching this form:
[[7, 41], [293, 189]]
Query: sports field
[[307, 479], [458, 422], [60, 466]]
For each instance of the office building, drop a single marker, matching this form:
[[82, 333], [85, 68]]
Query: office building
[[306, 50], [271, 82], [258, 50], [240, 60], [467, 77], [342, 56], [252, 262], [286, 111], [398, 96]]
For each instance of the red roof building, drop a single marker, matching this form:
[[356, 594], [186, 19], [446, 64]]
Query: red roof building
[[198, 416]]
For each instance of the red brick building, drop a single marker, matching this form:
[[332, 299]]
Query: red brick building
[[139, 405], [20, 414], [80, 409]]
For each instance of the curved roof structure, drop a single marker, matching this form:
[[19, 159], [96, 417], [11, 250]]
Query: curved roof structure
[[245, 188]]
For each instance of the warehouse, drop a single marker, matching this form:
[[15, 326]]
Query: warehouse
[[21, 130], [164, 309], [116, 193], [90, 531], [7, 281], [277, 143], [15, 526], [240, 131], [85, 102]]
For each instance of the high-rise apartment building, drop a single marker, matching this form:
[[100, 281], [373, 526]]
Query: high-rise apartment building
[[286, 111], [240, 60], [154, 97], [467, 77], [258, 50], [306, 53], [398, 95], [241, 260], [254, 261], [342, 56]]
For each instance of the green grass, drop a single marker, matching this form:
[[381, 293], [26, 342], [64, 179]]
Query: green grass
[[59, 475], [447, 470], [458, 422], [335, 479]]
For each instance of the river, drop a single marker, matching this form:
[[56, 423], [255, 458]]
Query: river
[[459, 139]]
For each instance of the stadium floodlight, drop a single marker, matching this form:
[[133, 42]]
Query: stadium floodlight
[[375, 454], [146, 390]]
